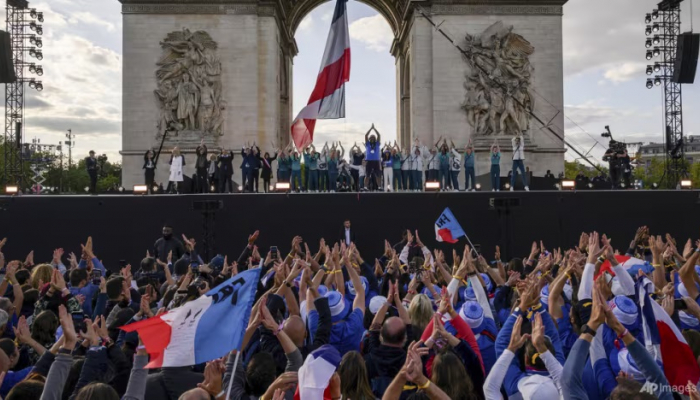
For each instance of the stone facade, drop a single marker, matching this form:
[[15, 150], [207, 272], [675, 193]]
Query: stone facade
[[256, 48]]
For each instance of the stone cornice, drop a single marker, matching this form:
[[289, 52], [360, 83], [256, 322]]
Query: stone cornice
[[496, 9]]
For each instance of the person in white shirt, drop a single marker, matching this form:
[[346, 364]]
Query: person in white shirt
[[406, 174], [455, 166], [417, 161], [518, 161]]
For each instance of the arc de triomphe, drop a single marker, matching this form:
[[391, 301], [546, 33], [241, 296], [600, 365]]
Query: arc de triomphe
[[222, 70]]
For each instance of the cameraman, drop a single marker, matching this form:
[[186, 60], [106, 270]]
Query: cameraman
[[612, 156], [625, 167]]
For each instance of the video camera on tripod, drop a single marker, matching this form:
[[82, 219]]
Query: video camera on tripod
[[614, 147]]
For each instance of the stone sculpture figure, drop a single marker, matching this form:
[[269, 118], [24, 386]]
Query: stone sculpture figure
[[498, 99], [189, 85]]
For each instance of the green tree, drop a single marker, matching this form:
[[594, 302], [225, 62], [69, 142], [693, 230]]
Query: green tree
[[572, 169]]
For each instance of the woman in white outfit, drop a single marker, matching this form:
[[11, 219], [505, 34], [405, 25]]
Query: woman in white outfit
[[177, 163], [387, 165]]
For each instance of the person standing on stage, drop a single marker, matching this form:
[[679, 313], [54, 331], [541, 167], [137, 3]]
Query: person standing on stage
[[373, 146], [201, 169], [311, 169], [247, 166], [267, 170], [495, 168], [469, 167], [625, 168], [357, 157], [296, 172], [284, 164], [257, 164], [225, 171], [417, 160], [333, 170], [455, 166], [323, 185], [149, 168], [406, 173], [444, 176], [213, 171], [518, 161], [388, 169], [397, 182], [91, 166], [177, 164]]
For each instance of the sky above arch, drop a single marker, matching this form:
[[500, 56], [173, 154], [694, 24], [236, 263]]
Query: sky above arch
[[603, 60]]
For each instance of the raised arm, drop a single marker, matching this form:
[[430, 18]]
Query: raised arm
[[359, 301]]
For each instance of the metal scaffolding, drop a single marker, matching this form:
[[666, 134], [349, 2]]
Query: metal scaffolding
[[20, 20]]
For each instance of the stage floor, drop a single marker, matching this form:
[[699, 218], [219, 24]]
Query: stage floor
[[124, 226]]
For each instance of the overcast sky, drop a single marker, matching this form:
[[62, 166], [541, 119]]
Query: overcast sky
[[603, 59]]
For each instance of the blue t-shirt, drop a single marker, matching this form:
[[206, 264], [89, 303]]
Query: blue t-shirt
[[296, 164], [444, 160], [372, 153], [496, 159], [346, 335], [468, 160], [311, 161], [396, 161]]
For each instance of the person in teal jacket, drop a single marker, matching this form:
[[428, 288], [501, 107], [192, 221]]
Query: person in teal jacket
[[296, 171]]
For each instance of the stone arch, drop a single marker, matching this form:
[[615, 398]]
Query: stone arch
[[387, 8]]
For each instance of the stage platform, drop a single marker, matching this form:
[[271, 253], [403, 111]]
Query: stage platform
[[124, 226]]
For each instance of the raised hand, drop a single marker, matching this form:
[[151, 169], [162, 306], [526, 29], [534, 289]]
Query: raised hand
[[418, 241], [29, 261], [253, 237], [71, 338], [517, 340], [409, 237]]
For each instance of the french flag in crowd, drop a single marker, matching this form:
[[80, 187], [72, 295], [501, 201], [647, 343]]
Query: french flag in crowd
[[666, 343], [447, 229], [316, 373], [327, 101], [202, 330], [631, 264]]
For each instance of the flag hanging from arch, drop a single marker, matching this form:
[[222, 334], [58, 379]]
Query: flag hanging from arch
[[327, 101]]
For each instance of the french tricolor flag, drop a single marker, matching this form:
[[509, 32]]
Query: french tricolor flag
[[666, 343], [447, 229], [327, 101], [316, 373], [201, 330]]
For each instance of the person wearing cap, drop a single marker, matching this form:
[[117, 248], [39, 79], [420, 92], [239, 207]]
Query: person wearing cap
[[91, 167], [478, 315], [347, 318], [385, 351]]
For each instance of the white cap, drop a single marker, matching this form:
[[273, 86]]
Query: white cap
[[538, 387], [376, 303]]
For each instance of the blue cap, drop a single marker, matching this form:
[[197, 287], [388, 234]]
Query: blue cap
[[472, 313], [467, 293]]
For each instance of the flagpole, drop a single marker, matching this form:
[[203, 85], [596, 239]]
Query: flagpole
[[472, 245], [233, 374]]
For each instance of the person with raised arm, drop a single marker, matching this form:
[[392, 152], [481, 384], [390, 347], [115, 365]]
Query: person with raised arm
[[518, 143], [373, 143]]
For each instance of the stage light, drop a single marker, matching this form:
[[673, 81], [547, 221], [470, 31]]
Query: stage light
[[212, 188], [139, 189], [568, 185], [32, 84], [656, 52], [432, 186], [507, 186], [155, 189], [33, 26], [622, 185], [655, 28], [650, 83], [648, 30], [648, 44], [657, 81], [557, 186], [32, 68], [40, 17], [39, 86], [650, 70], [121, 189], [39, 70], [654, 185], [655, 14], [282, 186], [240, 188], [11, 189], [39, 43], [87, 189], [590, 185], [686, 184], [649, 55], [656, 40], [647, 19], [657, 67], [32, 13], [478, 187], [39, 30], [39, 55]]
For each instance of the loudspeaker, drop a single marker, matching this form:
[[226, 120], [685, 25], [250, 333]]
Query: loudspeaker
[[7, 67], [686, 58]]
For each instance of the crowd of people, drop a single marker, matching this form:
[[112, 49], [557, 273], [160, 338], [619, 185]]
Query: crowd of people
[[369, 167], [409, 323]]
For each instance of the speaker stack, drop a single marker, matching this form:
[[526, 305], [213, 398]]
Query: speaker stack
[[686, 58]]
